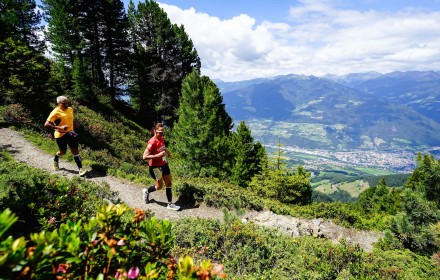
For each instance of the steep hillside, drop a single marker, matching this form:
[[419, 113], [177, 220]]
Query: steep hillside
[[313, 112]]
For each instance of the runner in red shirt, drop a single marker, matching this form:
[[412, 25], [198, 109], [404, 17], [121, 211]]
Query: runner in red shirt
[[156, 153]]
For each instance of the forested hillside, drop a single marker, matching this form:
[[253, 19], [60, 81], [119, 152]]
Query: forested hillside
[[122, 72]]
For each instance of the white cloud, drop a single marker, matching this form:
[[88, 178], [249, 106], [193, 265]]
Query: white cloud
[[318, 39]]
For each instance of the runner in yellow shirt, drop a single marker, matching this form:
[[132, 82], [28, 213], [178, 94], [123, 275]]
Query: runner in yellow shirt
[[61, 120]]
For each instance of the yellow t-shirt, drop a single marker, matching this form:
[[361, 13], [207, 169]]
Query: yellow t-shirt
[[65, 117]]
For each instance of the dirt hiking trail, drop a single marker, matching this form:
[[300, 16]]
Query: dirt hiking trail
[[131, 194]]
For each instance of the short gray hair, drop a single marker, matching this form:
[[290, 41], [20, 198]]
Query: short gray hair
[[61, 99]]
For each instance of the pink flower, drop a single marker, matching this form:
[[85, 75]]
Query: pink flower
[[121, 242], [51, 220], [120, 275], [62, 268], [218, 269], [133, 273]]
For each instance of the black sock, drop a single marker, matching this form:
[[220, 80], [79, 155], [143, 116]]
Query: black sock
[[56, 158], [78, 161], [151, 189], [169, 194]]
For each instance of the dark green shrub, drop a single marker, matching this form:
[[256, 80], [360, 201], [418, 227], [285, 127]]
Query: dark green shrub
[[116, 243], [41, 200], [252, 252]]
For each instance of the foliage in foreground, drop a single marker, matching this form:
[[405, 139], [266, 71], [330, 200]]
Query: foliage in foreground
[[41, 200], [417, 225], [115, 244], [251, 252]]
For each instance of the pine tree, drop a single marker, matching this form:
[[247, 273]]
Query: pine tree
[[19, 21], [105, 28], [410, 228], [65, 29], [24, 70], [248, 156], [200, 134], [162, 57], [278, 182], [91, 35]]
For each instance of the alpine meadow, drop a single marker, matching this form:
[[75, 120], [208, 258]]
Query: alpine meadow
[[341, 170]]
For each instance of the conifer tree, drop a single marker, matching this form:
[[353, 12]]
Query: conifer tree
[[105, 30], [65, 30], [410, 228], [200, 134], [162, 56], [279, 182], [379, 198], [23, 69], [248, 156], [90, 35], [19, 21]]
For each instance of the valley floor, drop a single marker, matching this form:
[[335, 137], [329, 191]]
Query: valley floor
[[393, 161]]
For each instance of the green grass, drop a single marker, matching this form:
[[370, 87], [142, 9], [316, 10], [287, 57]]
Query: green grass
[[353, 188], [326, 188], [373, 171]]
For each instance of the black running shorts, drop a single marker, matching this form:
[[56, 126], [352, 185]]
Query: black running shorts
[[67, 140], [157, 172]]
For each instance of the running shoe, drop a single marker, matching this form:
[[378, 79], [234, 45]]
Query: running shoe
[[82, 172], [173, 206], [146, 196], [56, 166]]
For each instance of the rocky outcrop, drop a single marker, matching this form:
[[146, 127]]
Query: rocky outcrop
[[315, 227]]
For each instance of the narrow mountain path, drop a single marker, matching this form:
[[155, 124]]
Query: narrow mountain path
[[131, 194]]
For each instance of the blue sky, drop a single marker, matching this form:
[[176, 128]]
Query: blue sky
[[246, 39]]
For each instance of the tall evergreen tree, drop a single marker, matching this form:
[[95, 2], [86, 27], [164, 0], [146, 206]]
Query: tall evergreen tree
[[23, 68], [89, 40], [248, 157], [105, 26], [200, 134], [20, 21], [65, 31], [162, 56]]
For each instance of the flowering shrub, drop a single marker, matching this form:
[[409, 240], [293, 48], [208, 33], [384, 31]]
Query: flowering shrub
[[16, 115], [115, 244], [42, 201]]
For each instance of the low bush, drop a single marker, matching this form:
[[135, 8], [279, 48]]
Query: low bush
[[252, 252], [117, 243], [16, 114], [42, 201]]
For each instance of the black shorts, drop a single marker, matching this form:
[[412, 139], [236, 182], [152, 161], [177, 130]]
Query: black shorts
[[157, 172], [65, 140]]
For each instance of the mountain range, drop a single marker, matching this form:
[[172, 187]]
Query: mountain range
[[377, 111]]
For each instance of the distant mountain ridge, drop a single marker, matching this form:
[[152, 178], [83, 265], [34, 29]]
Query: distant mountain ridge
[[416, 90], [355, 111]]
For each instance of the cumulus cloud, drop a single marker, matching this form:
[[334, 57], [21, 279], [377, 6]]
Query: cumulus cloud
[[317, 39]]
